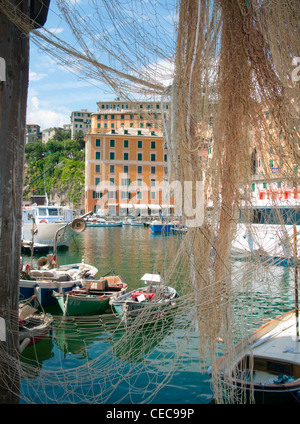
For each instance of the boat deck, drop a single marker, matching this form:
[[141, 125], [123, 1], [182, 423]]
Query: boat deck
[[280, 344]]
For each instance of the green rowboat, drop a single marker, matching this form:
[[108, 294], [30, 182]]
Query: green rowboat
[[93, 299]]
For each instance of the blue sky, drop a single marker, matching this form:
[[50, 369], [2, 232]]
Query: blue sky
[[54, 92]]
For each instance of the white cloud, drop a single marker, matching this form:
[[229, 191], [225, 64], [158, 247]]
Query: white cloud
[[55, 30], [34, 76], [44, 116]]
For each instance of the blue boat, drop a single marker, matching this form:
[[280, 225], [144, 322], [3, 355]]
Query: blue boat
[[159, 227], [42, 282]]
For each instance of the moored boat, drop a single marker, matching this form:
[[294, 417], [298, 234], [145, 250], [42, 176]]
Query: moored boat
[[103, 223], [93, 299], [45, 220], [267, 363], [33, 325], [137, 223], [151, 299], [42, 282], [161, 227]]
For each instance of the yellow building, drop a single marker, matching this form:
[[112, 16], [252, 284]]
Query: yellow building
[[122, 114], [125, 167]]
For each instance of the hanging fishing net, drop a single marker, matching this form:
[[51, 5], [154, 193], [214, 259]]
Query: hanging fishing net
[[229, 72]]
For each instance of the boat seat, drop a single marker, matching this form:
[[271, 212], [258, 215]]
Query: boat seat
[[50, 275]]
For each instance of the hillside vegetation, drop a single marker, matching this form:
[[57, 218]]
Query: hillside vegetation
[[63, 159]]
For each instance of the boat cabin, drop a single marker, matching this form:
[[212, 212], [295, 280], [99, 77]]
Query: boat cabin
[[46, 214]]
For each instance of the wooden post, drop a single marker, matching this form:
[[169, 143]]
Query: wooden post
[[14, 49], [14, 64]]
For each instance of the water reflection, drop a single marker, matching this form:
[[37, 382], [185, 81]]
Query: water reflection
[[165, 348], [134, 341]]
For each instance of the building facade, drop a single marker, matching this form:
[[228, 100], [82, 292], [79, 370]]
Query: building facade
[[121, 114], [33, 133], [126, 171], [80, 122]]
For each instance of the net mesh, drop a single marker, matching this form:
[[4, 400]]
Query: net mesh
[[234, 101]]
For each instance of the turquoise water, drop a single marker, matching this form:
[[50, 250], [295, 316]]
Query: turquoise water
[[98, 360]]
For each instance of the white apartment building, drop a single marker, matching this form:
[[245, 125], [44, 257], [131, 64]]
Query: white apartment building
[[80, 122]]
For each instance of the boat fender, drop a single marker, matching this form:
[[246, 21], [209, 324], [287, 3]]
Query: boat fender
[[38, 293], [24, 344], [43, 221]]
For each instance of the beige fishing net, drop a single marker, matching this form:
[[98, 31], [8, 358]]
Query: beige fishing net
[[233, 122]]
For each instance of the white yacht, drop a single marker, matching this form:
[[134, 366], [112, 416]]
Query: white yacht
[[44, 221]]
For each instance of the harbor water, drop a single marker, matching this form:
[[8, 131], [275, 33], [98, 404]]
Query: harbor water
[[98, 360]]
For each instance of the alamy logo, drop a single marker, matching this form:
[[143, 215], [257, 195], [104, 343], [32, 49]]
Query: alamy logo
[[188, 198], [296, 71]]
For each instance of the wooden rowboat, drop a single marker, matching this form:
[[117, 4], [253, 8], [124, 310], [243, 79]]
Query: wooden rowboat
[[267, 363], [93, 299]]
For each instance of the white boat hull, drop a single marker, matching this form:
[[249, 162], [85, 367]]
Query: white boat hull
[[46, 232]]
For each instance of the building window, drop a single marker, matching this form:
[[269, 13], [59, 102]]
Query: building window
[[97, 168], [153, 157], [126, 143], [98, 141], [112, 116], [153, 144], [139, 182], [111, 181], [153, 182], [153, 170], [125, 181], [97, 194], [125, 156], [152, 195], [139, 195], [111, 143], [112, 169], [140, 144], [139, 169], [140, 156], [97, 181], [112, 155], [97, 155], [166, 158], [125, 195], [125, 169], [112, 194]]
